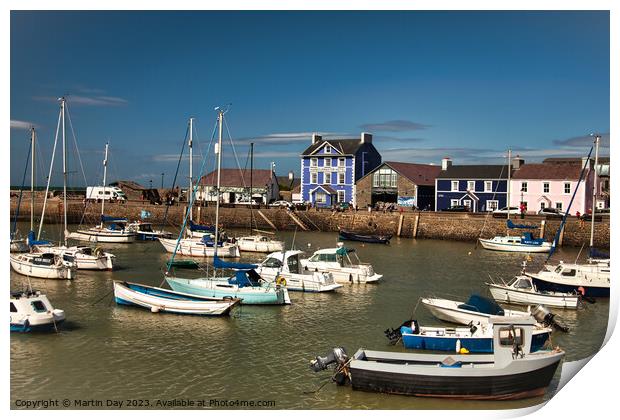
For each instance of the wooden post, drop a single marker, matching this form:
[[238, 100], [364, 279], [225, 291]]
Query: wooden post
[[199, 214], [400, 224], [561, 238], [415, 226], [542, 229]]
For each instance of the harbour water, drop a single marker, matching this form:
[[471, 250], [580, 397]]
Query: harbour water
[[110, 352]]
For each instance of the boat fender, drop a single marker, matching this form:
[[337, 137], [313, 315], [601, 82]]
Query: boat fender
[[154, 309], [581, 290], [458, 346], [281, 281], [464, 351]]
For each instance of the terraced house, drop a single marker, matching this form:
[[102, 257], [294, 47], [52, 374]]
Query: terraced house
[[478, 187], [330, 168]]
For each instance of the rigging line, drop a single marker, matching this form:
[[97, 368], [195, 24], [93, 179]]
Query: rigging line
[[234, 152], [174, 181], [190, 204], [21, 190], [49, 177], [76, 145]]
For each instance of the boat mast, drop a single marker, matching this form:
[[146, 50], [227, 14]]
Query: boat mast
[[105, 173], [64, 167], [597, 138], [251, 187], [190, 192], [218, 152], [32, 150], [508, 187]]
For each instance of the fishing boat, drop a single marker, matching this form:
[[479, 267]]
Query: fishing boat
[[245, 283], [31, 311], [477, 309], [161, 300], [43, 265], [284, 268], [471, 339], [345, 235], [200, 247], [144, 231], [111, 229], [512, 371], [522, 290], [522, 243], [338, 262]]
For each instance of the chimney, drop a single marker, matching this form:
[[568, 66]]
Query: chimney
[[366, 138], [446, 163], [316, 138], [517, 162]]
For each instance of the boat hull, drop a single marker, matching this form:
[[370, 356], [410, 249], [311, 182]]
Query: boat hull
[[221, 289], [26, 268], [506, 247], [509, 295], [103, 236], [162, 300], [252, 246], [372, 239], [461, 316], [195, 248], [312, 282], [104, 261], [587, 290]]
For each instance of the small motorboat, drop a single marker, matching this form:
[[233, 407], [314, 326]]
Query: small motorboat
[[31, 311], [43, 265], [85, 257], [522, 290], [162, 300], [470, 339], [345, 235], [145, 232], [512, 371], [589, 280], [338, 262], [285, 268], [477, 309]]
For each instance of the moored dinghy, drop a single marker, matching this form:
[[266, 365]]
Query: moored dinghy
[[162, 300], [512, 371], [31, 311]]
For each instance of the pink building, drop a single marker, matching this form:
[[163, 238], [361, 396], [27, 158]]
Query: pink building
[[551, 184]]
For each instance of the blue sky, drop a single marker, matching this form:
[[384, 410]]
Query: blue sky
[[468, 85]]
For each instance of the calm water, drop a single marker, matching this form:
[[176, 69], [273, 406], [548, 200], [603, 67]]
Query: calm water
[[259, 353]]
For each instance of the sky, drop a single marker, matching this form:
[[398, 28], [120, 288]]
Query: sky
[[467, 85]]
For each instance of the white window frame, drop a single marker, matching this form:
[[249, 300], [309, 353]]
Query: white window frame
[[488, 186], [570, 187], [341, 196], [524, 186], [320, 197], [468, 204], [470, 187], [314, 162], [492, 205], [342, 162], [314, 178], [453, 184], [548, 185], [327, 178], [343, 180], [328, 159], [328, 149], [543, 205], [558, 205], [454, 202]]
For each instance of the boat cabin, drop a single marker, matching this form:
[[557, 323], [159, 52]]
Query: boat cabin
[[275, 260], [522, 283], [512, 337]]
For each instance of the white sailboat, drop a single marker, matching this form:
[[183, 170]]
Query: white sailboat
[[245, 283], [111, 229], [19, 244], [199, 242], [514, 243], [338, 262]]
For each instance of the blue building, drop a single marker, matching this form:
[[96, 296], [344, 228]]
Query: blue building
[[330, 168], [479, 187]]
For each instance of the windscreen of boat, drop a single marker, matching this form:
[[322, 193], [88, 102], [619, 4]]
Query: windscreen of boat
[[293, 263]]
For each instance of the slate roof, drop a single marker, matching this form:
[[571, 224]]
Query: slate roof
[[343, 146], [418, 173], [475, 172], [233, 178], [550, 171]]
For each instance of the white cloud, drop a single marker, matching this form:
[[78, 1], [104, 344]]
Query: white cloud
[[22, 125], [87, 100]]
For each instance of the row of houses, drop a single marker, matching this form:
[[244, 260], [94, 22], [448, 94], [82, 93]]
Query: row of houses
[[351, 171]]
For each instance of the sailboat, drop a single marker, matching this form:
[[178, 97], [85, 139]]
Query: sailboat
[[200, 240], [514, 243], [255, 242], [84, 257], [21, 244], [590, 279], [111, 229], [245, 283]]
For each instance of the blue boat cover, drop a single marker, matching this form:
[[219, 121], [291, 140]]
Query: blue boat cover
[[514, 226], [482, 304], [595, 253], [219, 263], [197, 227], [527, 239], [105, 218], [208, 241], [32, 241], [248, 278]]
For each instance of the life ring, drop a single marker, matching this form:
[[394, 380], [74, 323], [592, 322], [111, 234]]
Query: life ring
[[281, 281], [581, 290], [97, 251]]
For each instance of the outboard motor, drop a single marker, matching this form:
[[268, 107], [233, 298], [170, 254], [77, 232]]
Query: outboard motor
[[545, 317], [337, 355], [394, 334]]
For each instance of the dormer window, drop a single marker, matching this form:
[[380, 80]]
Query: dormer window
[[328, 149]]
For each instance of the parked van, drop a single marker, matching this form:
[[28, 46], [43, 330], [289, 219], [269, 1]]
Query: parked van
[[107, 193]]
